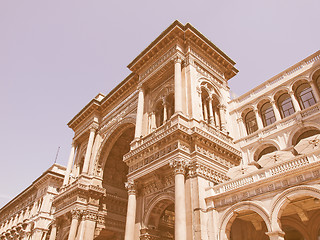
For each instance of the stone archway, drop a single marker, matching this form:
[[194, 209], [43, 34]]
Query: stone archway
[[246, 215], [295, 212], [159, 219], [114, 176]]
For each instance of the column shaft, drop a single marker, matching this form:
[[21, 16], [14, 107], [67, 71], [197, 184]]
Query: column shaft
[[70, 161], [73, 228], [139, 118], [180, 208], [177, 85], [315, 91], [294, 102], [53, 233], [211, 117], [88, 152], [276, 111], [131, 213]]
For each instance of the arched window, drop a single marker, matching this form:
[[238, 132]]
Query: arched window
[[267, 114], [305, 96], [267, 150], [285, 105], [251, 122]]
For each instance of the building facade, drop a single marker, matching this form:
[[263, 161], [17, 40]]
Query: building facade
[[168, 154]]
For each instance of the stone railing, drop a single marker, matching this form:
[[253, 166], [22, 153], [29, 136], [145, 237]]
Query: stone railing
[[265, 173], [283, 75]]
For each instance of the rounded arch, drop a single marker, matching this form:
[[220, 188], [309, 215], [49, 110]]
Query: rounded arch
[[294, 135], [280, 201], [230, 215], [211, 88], [315, 73], [259, 148], [111, 137], [160, 201], [165, 91], [279, 91]]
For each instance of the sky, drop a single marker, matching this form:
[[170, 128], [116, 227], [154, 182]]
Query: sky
[[55, 56]]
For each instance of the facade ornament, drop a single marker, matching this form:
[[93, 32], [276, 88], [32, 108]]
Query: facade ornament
[[131, 187], [179, 166], [89, 215], [76, 213]]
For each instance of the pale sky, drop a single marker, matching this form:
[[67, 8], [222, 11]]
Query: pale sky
[[55, 56]]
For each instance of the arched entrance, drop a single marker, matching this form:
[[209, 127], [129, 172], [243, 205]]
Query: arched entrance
[[114, 203], [298, 211], [160, 221], [248, 225]]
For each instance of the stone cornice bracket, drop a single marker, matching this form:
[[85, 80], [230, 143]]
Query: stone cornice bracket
[[76, 213], [179, 166], [131, 187]]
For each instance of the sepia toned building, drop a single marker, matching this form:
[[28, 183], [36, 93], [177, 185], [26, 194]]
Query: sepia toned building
[[168, 154]]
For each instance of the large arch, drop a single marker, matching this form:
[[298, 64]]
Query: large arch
[[260, 146], [230, 215], [280, 201]]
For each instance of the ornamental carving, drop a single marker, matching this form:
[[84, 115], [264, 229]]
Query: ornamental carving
[[76, 213], [179, 166], [130, 186]]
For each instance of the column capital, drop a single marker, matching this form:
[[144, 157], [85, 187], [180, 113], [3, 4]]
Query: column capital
[[93, 127], [222, 107], [179, 166], [239, 119], [276, 235], [131, 187], [177, 59], [89, 215], [291, 92], [76, 213]]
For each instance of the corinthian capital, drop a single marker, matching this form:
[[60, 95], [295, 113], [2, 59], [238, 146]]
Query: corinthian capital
[[179, 166], [76, 213], [131, 187]]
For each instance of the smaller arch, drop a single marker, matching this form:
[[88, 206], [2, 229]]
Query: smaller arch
[[293, 138], [156, 200], [250, 121], [230, 215], [262, 146], [280, 201]]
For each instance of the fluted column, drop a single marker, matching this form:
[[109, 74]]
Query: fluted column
[[93, 129], [75, 214], [294, 101], [53, 233], [177, 85], [211, 117], [70, 161], [180, 225], [139, 118], [131, 211], [259, 120], [315, 91], [275, 110]]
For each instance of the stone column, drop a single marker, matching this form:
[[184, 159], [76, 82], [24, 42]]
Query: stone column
[[165, 114], [242, 127], [276, 235], [211, 117], [177, 85], [75, 214], [180, 225], [70, 161], [258, 118], [139, 118], [131, 211], [82, 226], [222, 110], [153, 121], [217, 119], [294, 102], [93, 129], [37, 234], [90, 219], [275, 110], [53, 233], [315, 91], [205, 111]]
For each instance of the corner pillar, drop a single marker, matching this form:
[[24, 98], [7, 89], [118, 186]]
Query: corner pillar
[[180, 225], [93, 129], [177, 85], [131, 211], [139, 118]]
